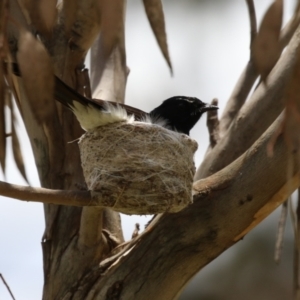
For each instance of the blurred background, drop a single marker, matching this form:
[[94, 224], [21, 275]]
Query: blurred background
[[209, 47]]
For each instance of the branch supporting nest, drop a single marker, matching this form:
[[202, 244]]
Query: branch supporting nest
[[43, 195]]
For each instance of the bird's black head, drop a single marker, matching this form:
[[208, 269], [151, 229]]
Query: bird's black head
[[181, 113]]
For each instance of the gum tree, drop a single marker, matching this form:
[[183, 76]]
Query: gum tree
[[250, 168]]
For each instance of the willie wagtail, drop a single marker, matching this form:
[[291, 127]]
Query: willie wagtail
[[179, 113]]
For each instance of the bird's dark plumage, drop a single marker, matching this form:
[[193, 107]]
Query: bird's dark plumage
[[178, 113], [181, 113]]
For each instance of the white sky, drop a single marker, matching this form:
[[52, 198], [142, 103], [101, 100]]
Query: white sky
[[209, 47]]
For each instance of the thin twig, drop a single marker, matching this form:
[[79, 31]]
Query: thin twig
[[83, 82], [213, 125], [117, 254], [7, 286], [252, 17], [280, 232], [87, 84], [136, 231]]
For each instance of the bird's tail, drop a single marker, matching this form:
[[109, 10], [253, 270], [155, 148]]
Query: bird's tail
[[62, 92], [71, 98]]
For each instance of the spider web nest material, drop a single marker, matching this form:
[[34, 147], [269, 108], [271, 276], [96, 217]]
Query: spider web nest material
[[138, 168]]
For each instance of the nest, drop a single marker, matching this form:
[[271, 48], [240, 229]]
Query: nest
[[138, 168]]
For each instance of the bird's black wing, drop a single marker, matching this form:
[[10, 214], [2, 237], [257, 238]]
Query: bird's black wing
[[67, 95]]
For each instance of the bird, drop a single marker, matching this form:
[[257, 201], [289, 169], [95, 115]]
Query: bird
[[178, 113], [181, 113]]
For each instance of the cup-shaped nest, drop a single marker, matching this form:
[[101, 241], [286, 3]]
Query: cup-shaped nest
[[138, 168]]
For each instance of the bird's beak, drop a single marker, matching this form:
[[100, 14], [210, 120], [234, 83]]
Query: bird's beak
[[208, 107]]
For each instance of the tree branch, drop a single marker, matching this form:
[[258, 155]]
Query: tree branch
[[215, 221], [252, 18], [245, 82], [249, 75], [255, 116], [290, 28], [238, 97], [7, 286], [225, 207], [42, 195]]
